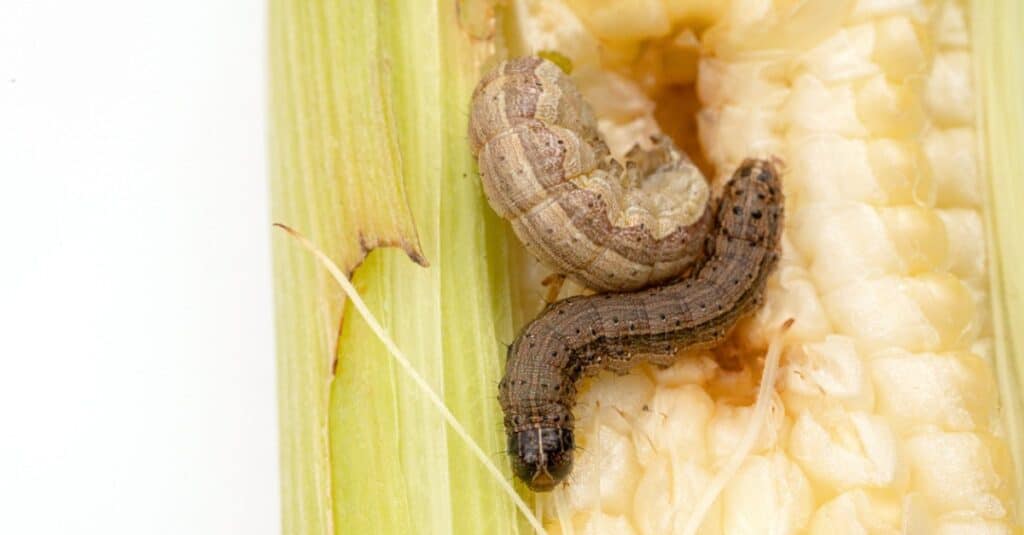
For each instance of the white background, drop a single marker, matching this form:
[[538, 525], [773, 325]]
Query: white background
[[137, 388]]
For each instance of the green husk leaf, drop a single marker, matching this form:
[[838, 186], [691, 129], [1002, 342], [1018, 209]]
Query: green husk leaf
[[998, 27], [370, 108], [341, 185]]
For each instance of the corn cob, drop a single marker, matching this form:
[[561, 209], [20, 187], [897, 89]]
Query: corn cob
[[886, 416], [885, 419]]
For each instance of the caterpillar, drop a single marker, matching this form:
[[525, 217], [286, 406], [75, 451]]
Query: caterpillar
[[610, 225], [615, 331]]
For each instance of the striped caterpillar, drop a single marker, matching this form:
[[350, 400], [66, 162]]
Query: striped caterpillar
[[547, 170], [615, 331]]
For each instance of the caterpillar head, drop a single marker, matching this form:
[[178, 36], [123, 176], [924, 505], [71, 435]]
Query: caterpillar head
[[542, 456]]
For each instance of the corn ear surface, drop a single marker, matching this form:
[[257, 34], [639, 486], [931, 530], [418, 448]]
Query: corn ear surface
[[887, 416]]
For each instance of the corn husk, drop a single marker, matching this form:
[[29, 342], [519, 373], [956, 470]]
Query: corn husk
[[999, 73], [368, 137]]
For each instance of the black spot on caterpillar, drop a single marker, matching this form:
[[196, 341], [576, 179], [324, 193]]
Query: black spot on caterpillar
[[615, 331], [610, 225]]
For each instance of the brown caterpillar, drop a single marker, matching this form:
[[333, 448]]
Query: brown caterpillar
[[615, 331], [547, 170]]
